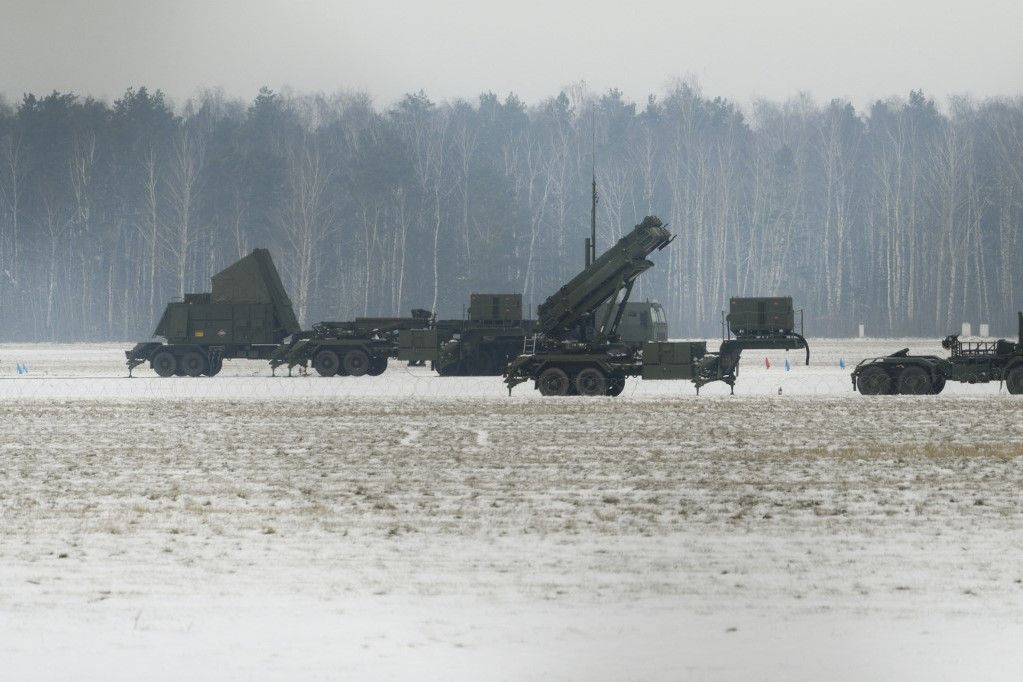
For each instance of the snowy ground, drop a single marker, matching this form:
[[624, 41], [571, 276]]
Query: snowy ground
[[409, 526]]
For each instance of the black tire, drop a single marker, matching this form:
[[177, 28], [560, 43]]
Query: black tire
[[554, 381], [615, 385], [451, 369], [1014, 380], [873, 380], [356, 362], [216, 366], [326, 363], [938, 385], [590, 382], [377, 366], [915, 380], [193, 363], [164, 364]]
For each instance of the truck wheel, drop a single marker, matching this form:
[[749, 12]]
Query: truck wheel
[[1014, 381], [938, 385], [356, 362], [193, 363], [553, 381], [615, 385], [914, 380], [216, 366], [325, 363], [874, 381], [377, 365], [590, 382], [164, 364]]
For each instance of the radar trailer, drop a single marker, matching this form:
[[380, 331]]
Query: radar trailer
[[246, 315]]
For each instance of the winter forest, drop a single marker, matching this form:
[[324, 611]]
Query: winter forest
[[906, 218]]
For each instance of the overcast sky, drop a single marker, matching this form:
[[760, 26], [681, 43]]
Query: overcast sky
[[860, 50]]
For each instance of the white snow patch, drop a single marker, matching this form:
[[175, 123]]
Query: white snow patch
[[417, 527]]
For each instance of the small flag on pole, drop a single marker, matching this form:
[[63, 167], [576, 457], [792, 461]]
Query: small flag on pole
[[767, 363], [841, 363], [787, 368]]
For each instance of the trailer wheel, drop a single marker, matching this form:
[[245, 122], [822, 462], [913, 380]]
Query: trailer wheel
[[553, 381], [590, 382], [914, 380], [325, 363], [164, 364], [1014, 381], [193, 363], [356, 362], [615, 385], [377, 365], [874, 381]]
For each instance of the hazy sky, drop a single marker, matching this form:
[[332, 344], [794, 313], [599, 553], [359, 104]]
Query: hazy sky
[[860, 50]]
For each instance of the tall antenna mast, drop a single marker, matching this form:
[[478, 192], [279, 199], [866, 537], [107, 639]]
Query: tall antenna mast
[[591, 246]]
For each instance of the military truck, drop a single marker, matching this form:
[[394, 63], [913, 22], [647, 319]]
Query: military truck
[[352, 348], [972, 362], [492, 335], [246, 315], [479, 344]]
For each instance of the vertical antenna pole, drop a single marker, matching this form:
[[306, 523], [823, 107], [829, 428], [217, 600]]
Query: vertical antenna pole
[[591, 255]]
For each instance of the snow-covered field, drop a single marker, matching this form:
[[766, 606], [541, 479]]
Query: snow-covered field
[[408, 526]]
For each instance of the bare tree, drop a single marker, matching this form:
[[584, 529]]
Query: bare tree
[[181, 234], [306, 217], [12, 183]]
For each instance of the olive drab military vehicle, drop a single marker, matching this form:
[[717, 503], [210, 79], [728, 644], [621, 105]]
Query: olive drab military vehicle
[[640, 322], [491, 335], [752, 323], [572, 355], [479, 344], [576, 350], [972, 362], [361, 346], [246, 315]]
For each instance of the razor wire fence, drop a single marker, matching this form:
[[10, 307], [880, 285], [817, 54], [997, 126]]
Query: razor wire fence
[[418, 382], [98, 371]]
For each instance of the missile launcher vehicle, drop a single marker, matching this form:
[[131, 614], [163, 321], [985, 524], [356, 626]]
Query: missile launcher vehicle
[[578, 348], [491, 335]]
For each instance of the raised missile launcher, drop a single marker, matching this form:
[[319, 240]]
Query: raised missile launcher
[[576, 350], [579, 350]]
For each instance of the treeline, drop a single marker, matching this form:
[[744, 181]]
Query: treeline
[[902, 218]]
